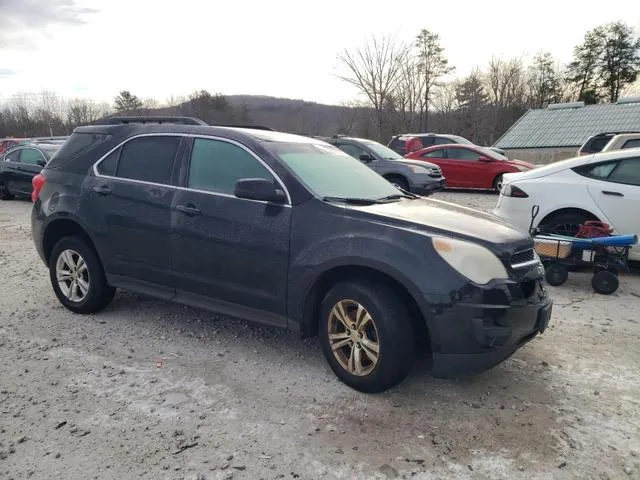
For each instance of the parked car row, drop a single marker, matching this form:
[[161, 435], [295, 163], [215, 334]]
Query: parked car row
[[610, 141], [291, 231]]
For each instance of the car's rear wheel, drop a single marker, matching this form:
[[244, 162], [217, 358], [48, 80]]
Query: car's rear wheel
[[366, 335], [5, 194], [77, 276], [564, 223]]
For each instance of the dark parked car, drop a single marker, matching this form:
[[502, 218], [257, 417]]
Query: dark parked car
[[410, 175], [273, 228], [411, 142], [20, 164]]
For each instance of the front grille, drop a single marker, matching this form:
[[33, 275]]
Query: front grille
[[523, 256]]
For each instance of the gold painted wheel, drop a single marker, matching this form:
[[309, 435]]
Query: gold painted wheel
[[353, 337]]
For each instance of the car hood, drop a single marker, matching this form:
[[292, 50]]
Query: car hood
[[418, 163], [437, 216]]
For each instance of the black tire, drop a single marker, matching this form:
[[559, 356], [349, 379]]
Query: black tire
[[399, 182], [5, 194], [390, 325], [605, 282], [497, 183], [99, 294], [556, 274], [565, 223]]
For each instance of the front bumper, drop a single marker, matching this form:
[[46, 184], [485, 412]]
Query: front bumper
[[427, 188], [487, 326]]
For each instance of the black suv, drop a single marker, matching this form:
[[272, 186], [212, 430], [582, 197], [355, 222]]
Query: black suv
[[272, 227], [414, 176]]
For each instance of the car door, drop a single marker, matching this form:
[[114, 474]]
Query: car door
[[615, 187], [470, 172], [129, 211], [439, 157], [11, 170], [31, 162], [229, 253]]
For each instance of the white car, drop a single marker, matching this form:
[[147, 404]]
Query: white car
[[604, 187]]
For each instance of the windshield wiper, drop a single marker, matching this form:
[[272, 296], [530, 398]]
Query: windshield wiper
[[353, 200], [404, 194]]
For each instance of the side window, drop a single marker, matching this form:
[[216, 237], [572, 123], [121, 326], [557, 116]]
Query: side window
[[352, 150], [109, 165], [13, 156], [434, 154], [441, 141], [216, 166], [628, 171], [600, 170], [148, 159], [462, 154], [31, 156], [635, 143]]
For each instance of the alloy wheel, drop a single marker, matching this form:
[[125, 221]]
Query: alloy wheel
[[353, 337], [72, 275]]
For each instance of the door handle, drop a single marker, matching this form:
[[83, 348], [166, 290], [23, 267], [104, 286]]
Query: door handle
[[609, 192], [189, 209], [102, 189]]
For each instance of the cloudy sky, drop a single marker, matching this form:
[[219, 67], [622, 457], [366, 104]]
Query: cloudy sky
[[94, 48]]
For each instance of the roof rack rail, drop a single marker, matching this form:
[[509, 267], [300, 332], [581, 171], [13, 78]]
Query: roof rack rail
[[256, 127], [149, 119]]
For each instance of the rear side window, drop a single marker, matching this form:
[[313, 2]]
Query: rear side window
[[31, 156], [109, 165], [600, 170], [352, 150], [462, 154], [442, 141], [635, 143], [628, 172], [148, 159], [434, 154], [216, 166], [13, 156], [76, 145], [396, 144]]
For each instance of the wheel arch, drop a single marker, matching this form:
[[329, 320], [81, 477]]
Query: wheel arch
[[325, 281], [568, 211], [64, 227]]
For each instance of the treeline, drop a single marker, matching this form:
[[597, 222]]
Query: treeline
[[409, 86], [48, 114]]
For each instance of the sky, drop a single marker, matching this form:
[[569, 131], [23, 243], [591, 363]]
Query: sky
[[95, 48]]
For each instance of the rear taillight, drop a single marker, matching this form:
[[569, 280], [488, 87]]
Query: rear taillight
[[513, 191], [37, 183]]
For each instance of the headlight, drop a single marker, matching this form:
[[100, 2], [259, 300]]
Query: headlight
[[473, 261], [418, 169]]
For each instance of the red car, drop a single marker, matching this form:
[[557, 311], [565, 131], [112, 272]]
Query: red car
[[470, 166]]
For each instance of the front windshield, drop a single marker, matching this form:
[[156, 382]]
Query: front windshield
[[329, 172], [381, 150]]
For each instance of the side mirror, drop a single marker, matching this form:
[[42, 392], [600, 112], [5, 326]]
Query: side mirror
[[485, 159], [366, 158], [42, 163], [259, 189]]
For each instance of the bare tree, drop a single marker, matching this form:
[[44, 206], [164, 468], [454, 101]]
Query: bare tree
[[433, 65], [375, 70], [409, 94], [81, 111]]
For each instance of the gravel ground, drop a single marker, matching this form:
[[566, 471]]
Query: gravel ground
[[148, 389]]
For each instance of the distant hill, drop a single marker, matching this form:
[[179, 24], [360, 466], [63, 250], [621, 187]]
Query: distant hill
[[283, 114]]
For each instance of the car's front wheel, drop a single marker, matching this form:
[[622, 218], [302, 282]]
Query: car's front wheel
[[366, 335], [77, 277]]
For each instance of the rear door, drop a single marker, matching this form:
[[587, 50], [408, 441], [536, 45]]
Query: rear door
[[11, 170], [615, 187], [228, 252], [439, 157], [468, 170], [129, 208], [31, 162]]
